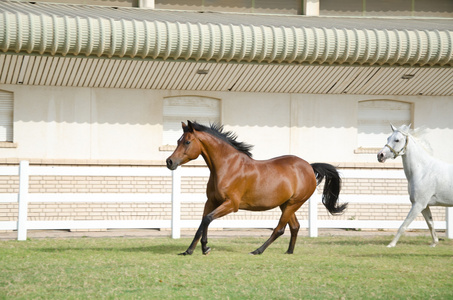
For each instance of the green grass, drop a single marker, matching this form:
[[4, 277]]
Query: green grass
[[321, 268]]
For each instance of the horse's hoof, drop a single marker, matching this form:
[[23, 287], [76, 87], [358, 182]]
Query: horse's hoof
[[185, 253], [390, 246], [433, 245], [207, 251], [255, 253], [288, 252]]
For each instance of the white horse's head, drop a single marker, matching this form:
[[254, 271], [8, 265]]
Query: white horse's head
[[396, 143]]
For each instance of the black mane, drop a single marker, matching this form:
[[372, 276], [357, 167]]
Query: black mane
[[228, 136]]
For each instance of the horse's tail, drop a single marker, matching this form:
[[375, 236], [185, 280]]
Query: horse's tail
[[332, 187]]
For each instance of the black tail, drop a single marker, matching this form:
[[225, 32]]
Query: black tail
[[332, 187]]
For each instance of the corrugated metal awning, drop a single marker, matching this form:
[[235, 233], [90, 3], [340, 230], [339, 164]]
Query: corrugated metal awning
[[59, 29], [81, 45]]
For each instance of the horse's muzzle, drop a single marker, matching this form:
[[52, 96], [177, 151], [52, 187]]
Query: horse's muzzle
[[170, 164], [381, 157]]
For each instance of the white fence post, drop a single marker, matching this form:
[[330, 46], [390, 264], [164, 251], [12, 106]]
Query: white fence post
[[449, 222], [176, 203], [313, 215], [23, 201]]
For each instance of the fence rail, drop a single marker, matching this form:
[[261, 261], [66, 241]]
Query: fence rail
[[176, 197]]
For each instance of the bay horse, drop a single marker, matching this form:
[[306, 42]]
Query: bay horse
[[237, 181], [430, 181]]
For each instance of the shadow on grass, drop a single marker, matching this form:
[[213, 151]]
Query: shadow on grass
[[172, 249], [378, 242], [401, 255], [154, 249]]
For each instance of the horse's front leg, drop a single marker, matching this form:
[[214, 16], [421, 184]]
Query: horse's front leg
[[208, 208], [194, 243], [429, 220], [228, 206], [415, 210]]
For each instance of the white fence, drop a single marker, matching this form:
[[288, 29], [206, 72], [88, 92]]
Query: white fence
[[24, 171]]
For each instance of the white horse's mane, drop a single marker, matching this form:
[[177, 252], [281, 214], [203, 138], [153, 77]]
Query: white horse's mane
[[418, 135]]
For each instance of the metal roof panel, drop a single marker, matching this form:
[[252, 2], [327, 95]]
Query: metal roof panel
[[63, 30]]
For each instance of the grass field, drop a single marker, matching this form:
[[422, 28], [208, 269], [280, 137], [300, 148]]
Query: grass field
[[138, 268]]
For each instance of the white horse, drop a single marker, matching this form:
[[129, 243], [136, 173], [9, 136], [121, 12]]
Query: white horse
[[430, 181]]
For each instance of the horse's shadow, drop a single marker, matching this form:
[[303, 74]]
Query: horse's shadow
[[170, 249], [154, 249]]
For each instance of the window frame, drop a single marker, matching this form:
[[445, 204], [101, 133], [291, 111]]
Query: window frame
[[5, 110], [169, 143], [365, 149]]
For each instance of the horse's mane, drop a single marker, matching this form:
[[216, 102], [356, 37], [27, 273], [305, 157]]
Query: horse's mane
[[227, 136], [418, 135]]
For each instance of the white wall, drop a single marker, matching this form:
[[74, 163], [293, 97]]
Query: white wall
[[84, 123], [126, 124]]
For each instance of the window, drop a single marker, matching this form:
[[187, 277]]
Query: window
[[256, 6], [374, 118], [6, 116], [408, 8], [182, 108]]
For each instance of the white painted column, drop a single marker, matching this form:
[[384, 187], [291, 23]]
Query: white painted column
[[313, 214], [311, 7], [449, 221], [23, 201], [146, 4], [176, 203]]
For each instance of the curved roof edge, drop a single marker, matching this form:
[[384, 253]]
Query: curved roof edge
[[61, 30]]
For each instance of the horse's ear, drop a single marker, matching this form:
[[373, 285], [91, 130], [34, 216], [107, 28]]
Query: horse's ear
[[393, 127], [185, 128], [189, 126]]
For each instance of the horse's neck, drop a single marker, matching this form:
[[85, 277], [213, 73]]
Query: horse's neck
[[215, 152], [415, 159]]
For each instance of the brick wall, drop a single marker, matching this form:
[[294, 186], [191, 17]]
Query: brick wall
[[362, 186], [99, 184], [189, 211]]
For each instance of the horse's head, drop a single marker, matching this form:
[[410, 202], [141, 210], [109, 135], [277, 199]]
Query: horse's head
[[189, 148], [396, 144]]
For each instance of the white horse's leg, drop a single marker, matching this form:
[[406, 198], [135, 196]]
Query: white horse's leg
[[415, 210], [429, 220]]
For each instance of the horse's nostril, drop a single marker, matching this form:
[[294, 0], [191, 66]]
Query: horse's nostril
[[169, 162]]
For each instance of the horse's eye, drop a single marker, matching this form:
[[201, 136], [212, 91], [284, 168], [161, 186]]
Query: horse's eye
[[397, 141], [187, 142]]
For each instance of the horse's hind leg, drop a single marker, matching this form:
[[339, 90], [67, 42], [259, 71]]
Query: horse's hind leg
[[294, 228], [429, 220], [288, 212], [415, 210], [278, 231]]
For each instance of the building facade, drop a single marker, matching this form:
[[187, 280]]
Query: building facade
[[108, 85]]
